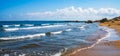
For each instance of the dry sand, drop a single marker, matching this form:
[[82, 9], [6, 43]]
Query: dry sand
[[112, 24], [109, 48]]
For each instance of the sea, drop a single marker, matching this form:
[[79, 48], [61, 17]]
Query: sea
[[45, 38]]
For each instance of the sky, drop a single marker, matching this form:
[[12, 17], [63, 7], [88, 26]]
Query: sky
[[58, 9]]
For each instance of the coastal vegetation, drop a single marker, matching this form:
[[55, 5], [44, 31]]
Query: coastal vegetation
[[112, 23], [89, 21], [115, 20], [110, 20]]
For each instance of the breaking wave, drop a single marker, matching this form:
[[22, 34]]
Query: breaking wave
[[29, 36], [35, 27]]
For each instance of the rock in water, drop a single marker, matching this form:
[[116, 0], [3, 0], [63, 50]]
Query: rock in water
[[48, 34]]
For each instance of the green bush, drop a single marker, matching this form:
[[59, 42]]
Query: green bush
[[104, 20]]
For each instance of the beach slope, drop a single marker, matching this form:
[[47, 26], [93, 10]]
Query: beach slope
[[106, 47]]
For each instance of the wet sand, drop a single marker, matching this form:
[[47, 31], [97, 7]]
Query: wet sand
[[103, 48]]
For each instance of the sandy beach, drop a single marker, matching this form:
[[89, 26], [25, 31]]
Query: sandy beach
[[104, 47]]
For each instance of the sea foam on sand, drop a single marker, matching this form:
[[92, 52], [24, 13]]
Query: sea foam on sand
[[111, 36]]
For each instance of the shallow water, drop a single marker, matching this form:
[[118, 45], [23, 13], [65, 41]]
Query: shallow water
[[45, 39]]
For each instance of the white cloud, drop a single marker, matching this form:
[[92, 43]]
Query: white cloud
[[77, 13]]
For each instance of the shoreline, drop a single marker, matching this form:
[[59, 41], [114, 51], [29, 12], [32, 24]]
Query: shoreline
[[104, 48], [114, 25]]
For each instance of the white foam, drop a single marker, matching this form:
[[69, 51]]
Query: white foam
[[113, 35], [11, 29], [99, 40], [42, 27], [17, 25], [6, 55], [68, 29], [5, 25], [37, 27], [29, 24], [22, 54], [82, 27], [28, 36], [52, 26], [58, 32], [60, 52], [22, 37], [45, 24], [57, 54]]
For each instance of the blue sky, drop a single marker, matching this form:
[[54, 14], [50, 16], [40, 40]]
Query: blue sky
[[57, 9]]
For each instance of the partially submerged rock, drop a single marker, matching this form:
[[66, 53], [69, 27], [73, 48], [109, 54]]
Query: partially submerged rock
[[48, 34]]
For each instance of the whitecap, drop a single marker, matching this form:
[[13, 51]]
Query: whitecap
[[28, 36], [29, 24], [45, 24], [58, 32], [37, 27], [22, 37], [11, 29], [68, 29], [6, 25], [17, 25], [82, 27]]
